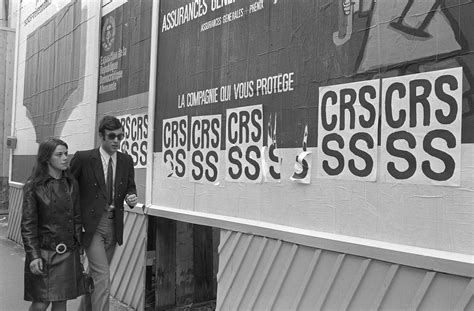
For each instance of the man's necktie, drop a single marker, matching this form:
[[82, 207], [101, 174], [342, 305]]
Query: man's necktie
[[110, 182]]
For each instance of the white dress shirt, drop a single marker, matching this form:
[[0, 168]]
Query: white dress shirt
[[105, 165]]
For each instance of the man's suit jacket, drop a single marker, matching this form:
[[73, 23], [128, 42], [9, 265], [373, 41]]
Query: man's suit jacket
[[86, 166]]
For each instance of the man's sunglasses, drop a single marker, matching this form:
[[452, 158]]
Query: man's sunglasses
[[112, 136]]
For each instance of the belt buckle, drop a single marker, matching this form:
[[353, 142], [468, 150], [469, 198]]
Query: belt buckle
[[61, 248]]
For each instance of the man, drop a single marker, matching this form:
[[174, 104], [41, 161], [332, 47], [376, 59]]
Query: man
[[106, 180]]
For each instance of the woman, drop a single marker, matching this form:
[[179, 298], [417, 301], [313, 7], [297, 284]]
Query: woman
[[51, 229]]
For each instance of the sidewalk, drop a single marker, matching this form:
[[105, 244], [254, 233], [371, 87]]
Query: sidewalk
[[12, 258]]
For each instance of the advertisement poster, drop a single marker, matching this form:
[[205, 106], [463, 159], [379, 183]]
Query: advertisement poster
[[124, 63], [324, 110], [135, 141]]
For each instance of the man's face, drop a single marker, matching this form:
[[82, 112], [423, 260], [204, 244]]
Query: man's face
[[111, 140]]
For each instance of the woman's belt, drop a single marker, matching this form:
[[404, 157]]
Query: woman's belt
[[60, 247]]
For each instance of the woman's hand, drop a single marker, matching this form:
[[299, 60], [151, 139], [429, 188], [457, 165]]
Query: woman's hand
[[36, 266]]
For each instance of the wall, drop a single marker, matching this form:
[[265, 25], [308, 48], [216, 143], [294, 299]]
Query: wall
[[320, 117], [7, 48], [258, 273], [11, 12], [57, 67]]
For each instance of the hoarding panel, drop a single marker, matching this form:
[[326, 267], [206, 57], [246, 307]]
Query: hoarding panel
[[124, 71], [319, 72]]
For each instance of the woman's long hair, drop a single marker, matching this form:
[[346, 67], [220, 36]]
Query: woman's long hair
[[45, 151]]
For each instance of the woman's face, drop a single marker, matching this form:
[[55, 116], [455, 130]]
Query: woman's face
[[58, 160]]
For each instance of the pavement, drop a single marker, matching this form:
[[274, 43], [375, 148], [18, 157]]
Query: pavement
[[12, 259]]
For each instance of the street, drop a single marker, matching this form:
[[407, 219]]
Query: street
[[12, 257]]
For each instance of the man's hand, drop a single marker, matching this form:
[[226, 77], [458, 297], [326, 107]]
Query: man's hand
[[131, 200], [36, 266]]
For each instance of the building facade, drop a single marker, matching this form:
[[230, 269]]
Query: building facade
[[290, 155], [8, 20]]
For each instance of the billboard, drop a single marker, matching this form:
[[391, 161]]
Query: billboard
[[56, 69], [353, 118], [124, 76]]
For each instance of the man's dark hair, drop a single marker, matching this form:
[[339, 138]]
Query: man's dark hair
[[110, 123]]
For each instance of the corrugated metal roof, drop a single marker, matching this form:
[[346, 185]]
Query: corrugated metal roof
[[259, 273]]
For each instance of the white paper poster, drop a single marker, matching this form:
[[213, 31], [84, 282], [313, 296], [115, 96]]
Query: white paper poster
[[175, 146], [421, 128], [244, 142], [205, 145], [347, 131]]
